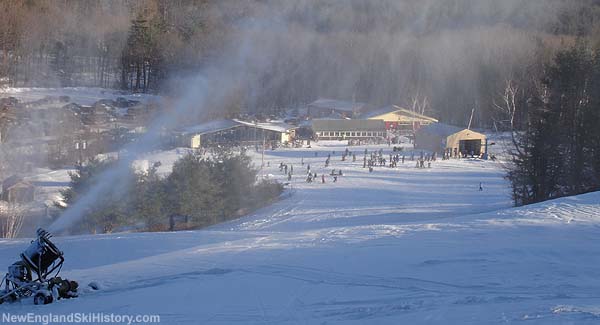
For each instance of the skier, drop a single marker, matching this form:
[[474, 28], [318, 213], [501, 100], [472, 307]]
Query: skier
[[302, 161], [480, 186], [334, 179], [323, 178]]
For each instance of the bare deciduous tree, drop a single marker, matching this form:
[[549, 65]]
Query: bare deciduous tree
[[11, 220], [509, 109], [419, 103], [508, 106]]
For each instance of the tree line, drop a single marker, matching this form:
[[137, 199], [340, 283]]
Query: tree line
[[558, 152], [200, 191], [453, 55], [113, 44]]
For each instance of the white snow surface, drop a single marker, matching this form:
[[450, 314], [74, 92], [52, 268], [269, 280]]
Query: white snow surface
[[396, 246], [79, 95]]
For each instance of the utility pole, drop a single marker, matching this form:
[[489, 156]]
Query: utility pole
[[485, 154], [471, 119], [262, 158]]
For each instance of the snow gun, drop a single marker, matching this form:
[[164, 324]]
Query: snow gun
[[31, 276]]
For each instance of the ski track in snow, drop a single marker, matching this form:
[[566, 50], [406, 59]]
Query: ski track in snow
[[401, 245]]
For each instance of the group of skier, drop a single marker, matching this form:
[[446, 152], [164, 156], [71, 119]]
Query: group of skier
[[371, 160], [425, 158], [312, 177], [289, 171]]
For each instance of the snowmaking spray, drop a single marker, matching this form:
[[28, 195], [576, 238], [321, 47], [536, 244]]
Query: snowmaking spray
[[211, 87], [112, 179]]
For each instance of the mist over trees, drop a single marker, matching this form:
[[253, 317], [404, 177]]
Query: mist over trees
[[458, 54]]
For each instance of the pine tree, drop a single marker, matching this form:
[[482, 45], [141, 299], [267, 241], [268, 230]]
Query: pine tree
[[557, 155], [150, 198]]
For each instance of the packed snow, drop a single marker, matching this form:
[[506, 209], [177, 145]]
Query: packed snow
[[399, 245]]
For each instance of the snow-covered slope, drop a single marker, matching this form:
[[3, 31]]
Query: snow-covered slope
[[396, 246]]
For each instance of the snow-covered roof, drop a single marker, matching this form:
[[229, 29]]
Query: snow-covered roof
[[395, 109], [276, 126], [440, 129], [225, 124], [305, 124], [339, 105], [212, 126]]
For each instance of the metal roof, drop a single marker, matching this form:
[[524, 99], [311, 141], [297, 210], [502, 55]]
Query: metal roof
[[339, 105], [209, 127], [220, 125], [271, 126], [440, 129], [348, 125]]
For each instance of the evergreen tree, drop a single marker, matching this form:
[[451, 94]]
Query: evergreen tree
[[192, 191], [207, 190], [149, 203], [557, 153]]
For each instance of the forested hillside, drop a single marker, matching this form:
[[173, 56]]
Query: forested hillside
[[447, 57]]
